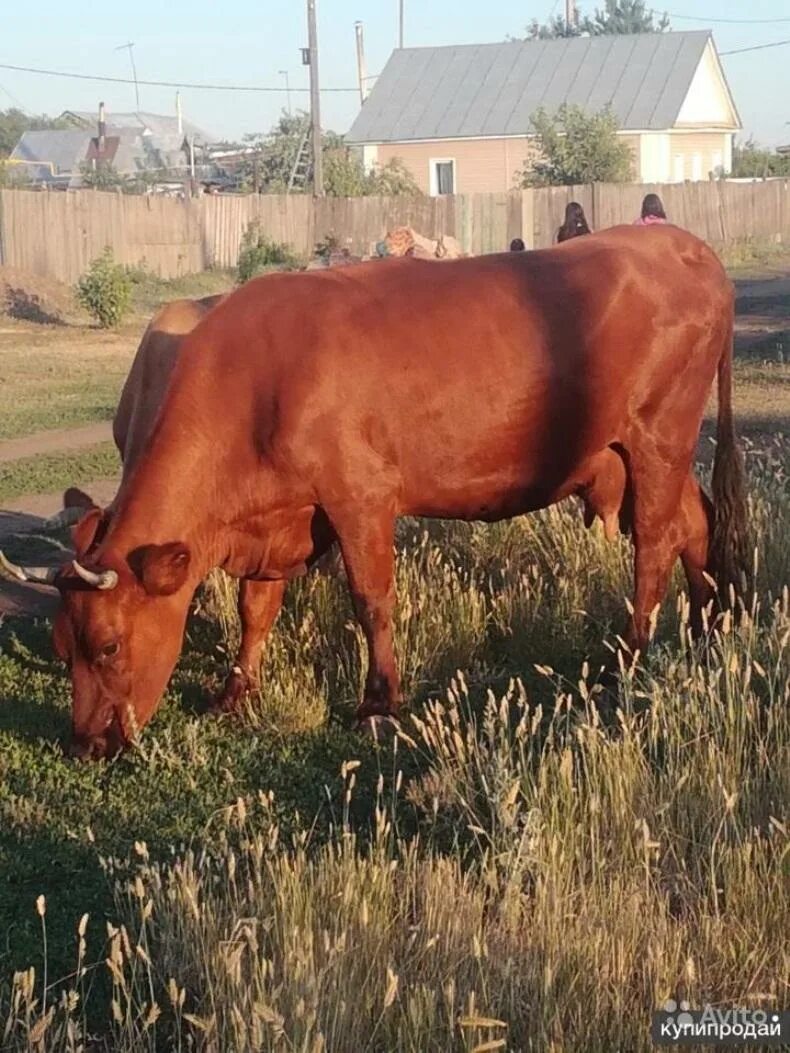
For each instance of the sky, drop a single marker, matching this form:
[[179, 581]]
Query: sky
[[252, 43]]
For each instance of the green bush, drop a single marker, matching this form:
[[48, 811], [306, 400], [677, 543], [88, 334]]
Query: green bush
[[259, 253], [105, 290]]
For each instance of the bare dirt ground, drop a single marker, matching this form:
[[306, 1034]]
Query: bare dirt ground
[[58, 440], [763, 315]]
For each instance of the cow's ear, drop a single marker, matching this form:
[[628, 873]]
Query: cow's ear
[[162, 569], [87, 532], [76, 498]]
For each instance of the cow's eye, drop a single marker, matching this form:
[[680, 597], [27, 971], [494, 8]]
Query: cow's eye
[[110, 650]]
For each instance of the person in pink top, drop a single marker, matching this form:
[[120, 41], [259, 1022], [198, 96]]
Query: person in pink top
[[652, 212]]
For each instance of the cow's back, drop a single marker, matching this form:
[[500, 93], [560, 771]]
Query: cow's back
[[471, 387], [149, 376]]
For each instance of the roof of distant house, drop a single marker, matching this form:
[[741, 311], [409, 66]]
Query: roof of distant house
[[160, 126], [483, 90], [59, 151]]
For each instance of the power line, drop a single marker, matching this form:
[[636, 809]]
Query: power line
[[728, 21], [159, 83], [14, 99], [756, 47]]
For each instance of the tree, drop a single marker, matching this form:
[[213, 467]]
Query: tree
[[575, 147], [13, 175], [616, 17], [624, 16], [14, 122], [749, 160], [269, 169], [555, 27], [345, 176], [100, 175], [393, 180]]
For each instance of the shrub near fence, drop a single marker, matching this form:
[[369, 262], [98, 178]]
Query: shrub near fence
[[56, 235]]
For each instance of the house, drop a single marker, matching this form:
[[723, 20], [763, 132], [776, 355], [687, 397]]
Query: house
[[459, 117], [50, 158], [131, 142]]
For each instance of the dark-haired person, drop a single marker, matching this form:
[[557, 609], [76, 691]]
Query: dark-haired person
[[575, 223], [652, 212], [517, 245]]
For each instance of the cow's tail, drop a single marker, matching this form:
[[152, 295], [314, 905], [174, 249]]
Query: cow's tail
[[730, 549]]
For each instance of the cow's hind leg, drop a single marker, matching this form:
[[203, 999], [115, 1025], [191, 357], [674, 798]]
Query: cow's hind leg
[[658, 534], [697, 516], [259, 605], [366, 541]]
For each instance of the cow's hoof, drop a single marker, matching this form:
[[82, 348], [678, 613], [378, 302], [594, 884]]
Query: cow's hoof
[[379, 726], [230, 701]]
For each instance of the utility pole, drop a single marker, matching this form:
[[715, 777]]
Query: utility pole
[[315, 103], [400, 23], [361, 68], [570, 13], [130, 49]]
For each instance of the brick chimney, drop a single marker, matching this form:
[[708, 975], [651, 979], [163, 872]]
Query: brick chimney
[[102, 130]]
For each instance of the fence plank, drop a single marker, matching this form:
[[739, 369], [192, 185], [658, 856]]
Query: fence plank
[[58, 234]]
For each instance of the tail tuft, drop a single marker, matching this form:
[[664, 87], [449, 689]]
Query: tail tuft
[[730, 547]]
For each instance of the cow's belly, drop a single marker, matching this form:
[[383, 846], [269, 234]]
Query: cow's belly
[[496, 476], [488, 501]]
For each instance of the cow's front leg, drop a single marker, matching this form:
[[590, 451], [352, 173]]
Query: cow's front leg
[[366, 542], [259, 605]]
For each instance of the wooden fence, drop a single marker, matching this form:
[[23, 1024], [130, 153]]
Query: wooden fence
[[57, 234]]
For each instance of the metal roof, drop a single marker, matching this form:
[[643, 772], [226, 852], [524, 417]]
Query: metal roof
[[476, 90], [61, 152], [63, 149], [161, 126]]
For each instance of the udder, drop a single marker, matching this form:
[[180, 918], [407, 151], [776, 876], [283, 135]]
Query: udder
[[602, 489]]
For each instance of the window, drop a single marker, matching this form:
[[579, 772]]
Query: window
[[696, 166], [442, 170], [678, 171]]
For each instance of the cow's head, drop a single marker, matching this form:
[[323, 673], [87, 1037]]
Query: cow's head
[[119, 630]]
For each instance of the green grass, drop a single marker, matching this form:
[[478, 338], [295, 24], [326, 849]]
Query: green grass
[[68, 375], [149, 292], [541, 860], [748, 258], [48, 472], [526, 855], [60, 378]]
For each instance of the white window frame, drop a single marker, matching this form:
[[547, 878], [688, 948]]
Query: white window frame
[[678, 168], [433, 181], [696, 167]]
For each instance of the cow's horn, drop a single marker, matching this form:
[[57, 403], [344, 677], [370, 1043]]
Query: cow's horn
[[37, 575], [103, 579], [67, 517]]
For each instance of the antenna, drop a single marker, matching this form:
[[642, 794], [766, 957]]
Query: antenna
[[130, 48]]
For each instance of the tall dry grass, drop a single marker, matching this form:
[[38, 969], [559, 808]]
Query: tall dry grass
[[540, 866]]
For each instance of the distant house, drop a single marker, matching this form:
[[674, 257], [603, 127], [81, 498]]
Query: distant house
[[131, 142], [50, 157], [459, 117]]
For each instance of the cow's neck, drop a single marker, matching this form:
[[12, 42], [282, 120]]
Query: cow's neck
[[183, 490]]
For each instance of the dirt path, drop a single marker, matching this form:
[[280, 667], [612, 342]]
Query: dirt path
[[61, 440]]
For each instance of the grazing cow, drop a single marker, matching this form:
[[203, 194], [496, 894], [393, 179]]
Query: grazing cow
[[313, 408]]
